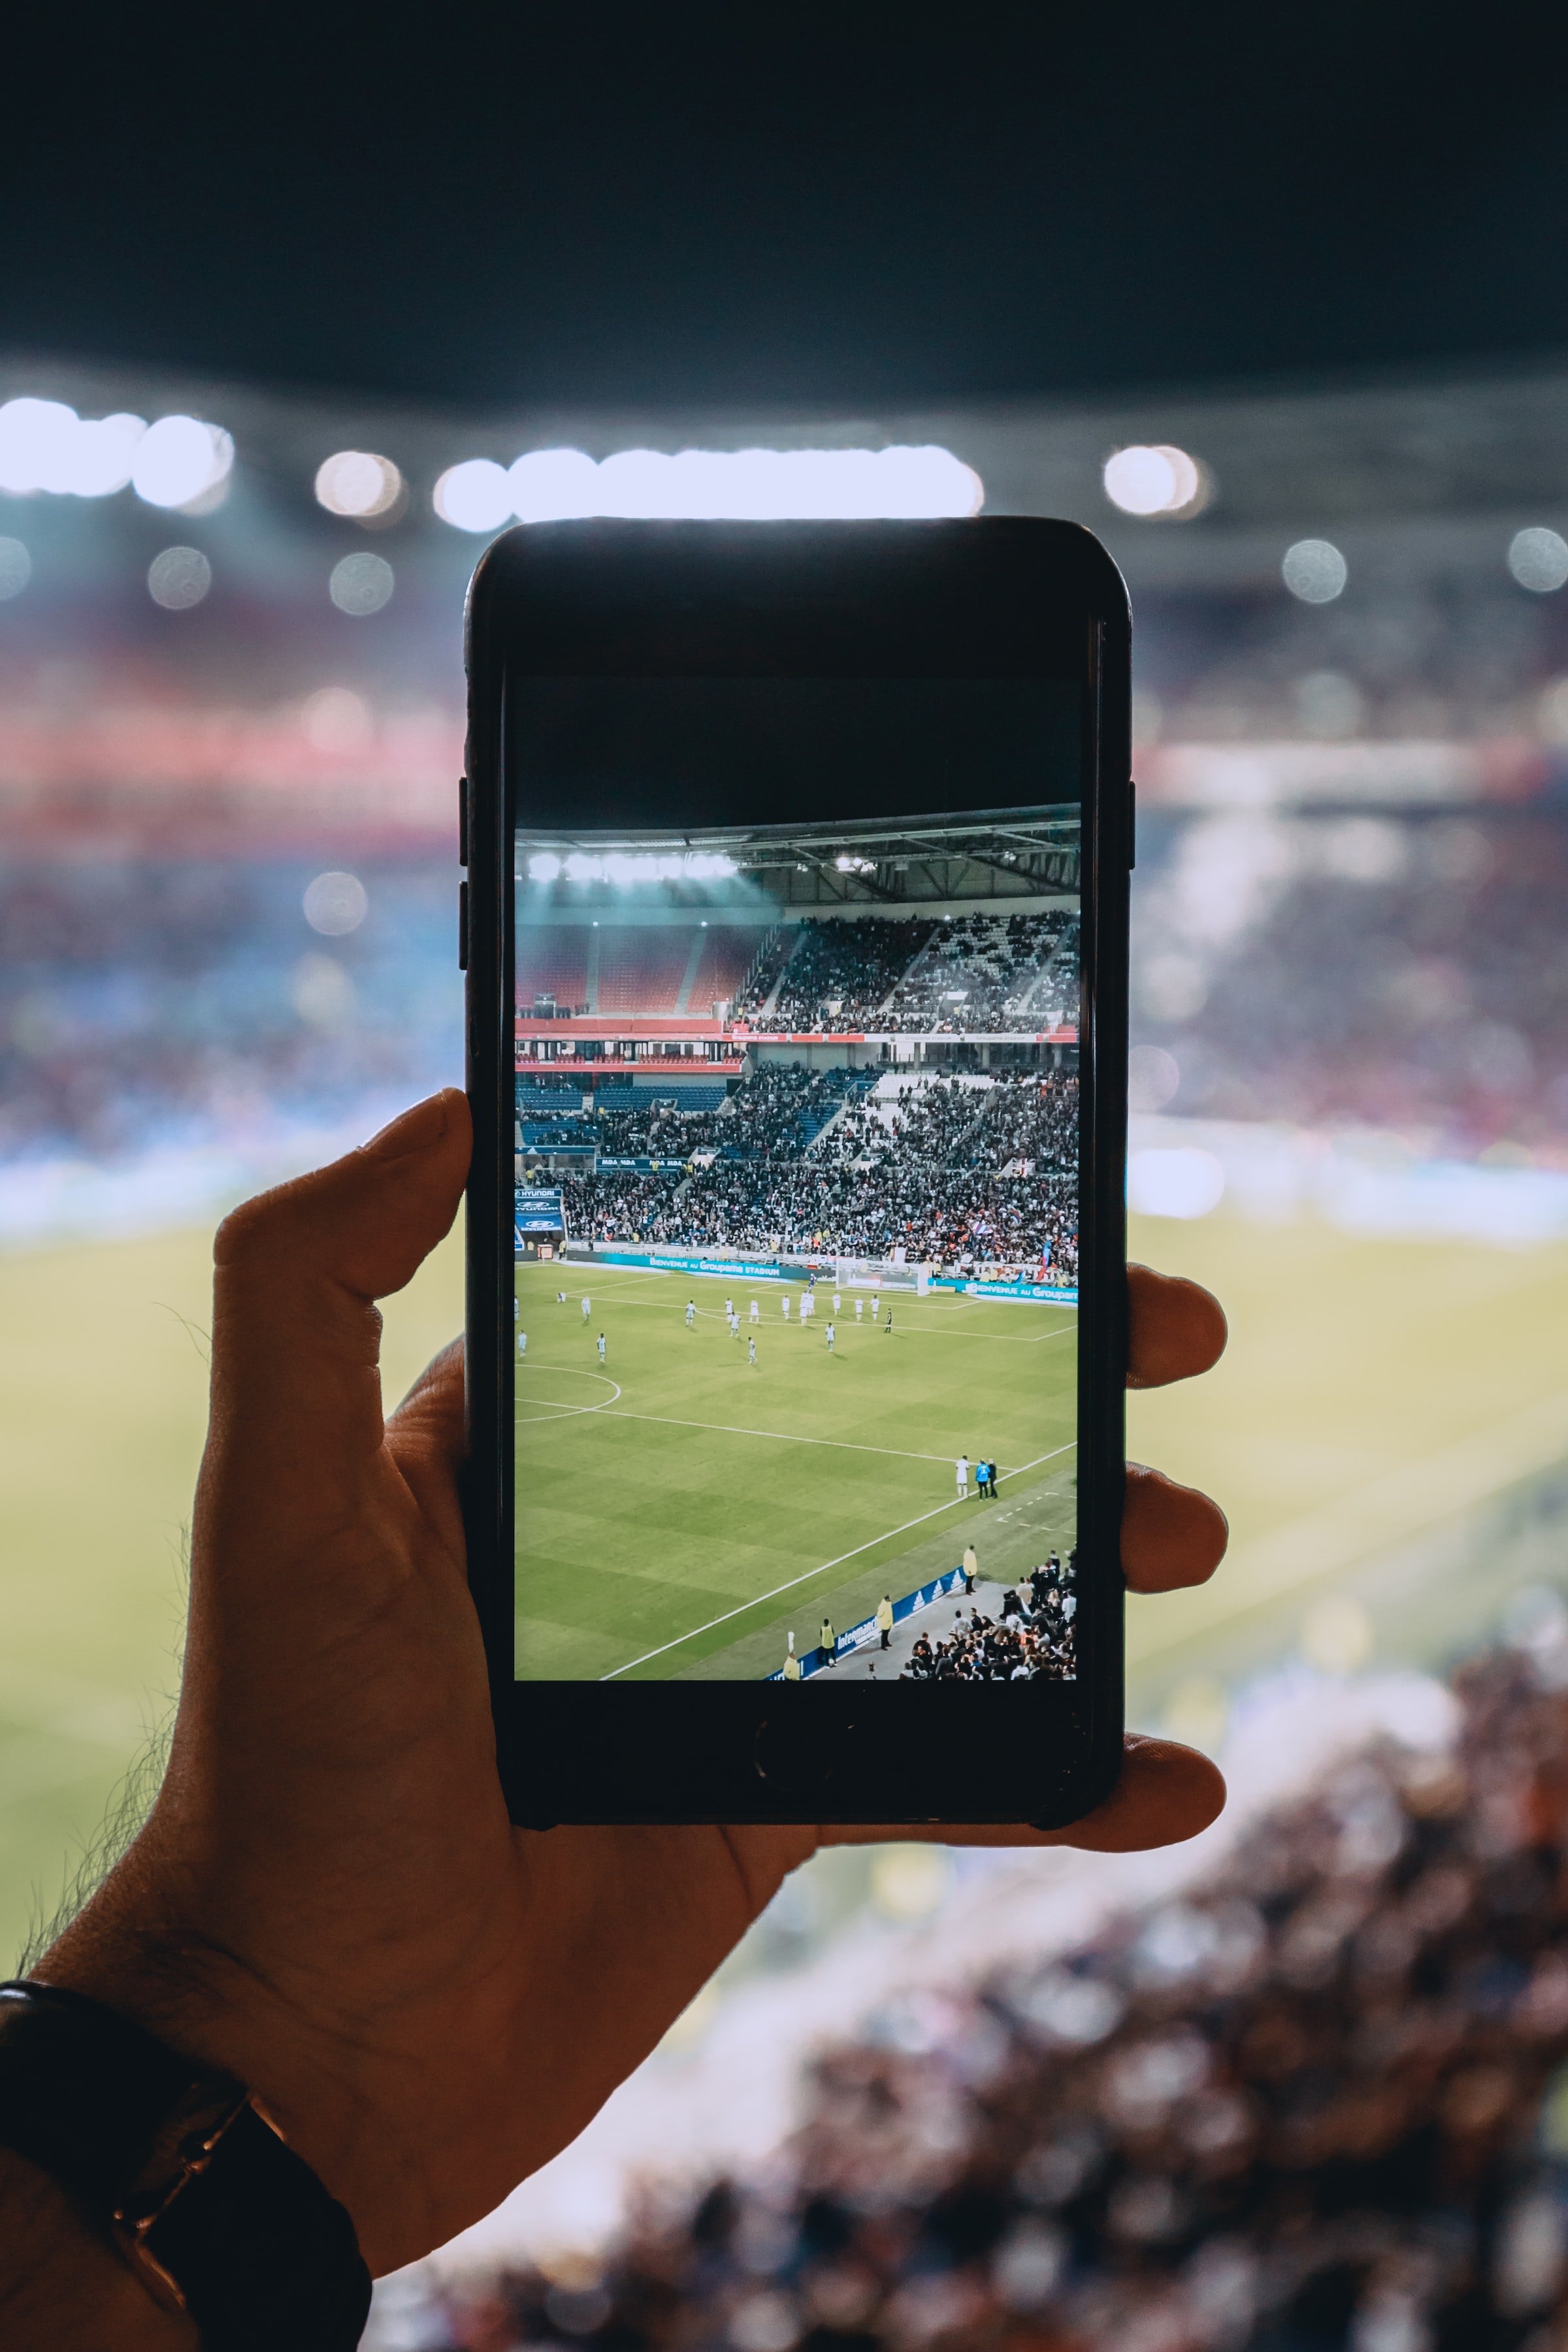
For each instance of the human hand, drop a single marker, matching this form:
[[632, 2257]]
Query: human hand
[[329, 1899]]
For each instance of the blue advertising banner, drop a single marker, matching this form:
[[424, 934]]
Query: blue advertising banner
[[859, 1636], [537, 1210]]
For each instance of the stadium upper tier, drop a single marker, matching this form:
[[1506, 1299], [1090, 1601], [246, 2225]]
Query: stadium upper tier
[[984, 973]]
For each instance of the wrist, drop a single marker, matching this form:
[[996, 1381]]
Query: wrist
[[63, 2288], [131, 1951]]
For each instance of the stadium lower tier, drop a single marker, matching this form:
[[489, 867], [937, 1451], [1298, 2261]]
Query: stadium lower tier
[[947, 1169]]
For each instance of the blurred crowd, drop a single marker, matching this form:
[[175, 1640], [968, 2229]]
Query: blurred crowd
[[192, 1002], [1318, 2102], [1329, 969]]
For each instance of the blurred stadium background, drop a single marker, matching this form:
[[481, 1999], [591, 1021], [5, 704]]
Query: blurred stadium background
[[230, 733]]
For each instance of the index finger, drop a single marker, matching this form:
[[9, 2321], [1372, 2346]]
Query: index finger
[[1176, 1328]]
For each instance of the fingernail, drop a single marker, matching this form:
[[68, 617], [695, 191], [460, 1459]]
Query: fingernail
[[411, 1130]]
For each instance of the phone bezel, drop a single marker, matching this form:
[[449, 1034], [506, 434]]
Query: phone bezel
[[998, 597]]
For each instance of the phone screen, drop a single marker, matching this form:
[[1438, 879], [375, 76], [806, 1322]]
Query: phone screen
[[795, 1316]]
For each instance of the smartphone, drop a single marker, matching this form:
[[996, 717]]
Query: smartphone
[[795, 920]]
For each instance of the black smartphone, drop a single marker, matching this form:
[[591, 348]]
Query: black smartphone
[[796, 929]]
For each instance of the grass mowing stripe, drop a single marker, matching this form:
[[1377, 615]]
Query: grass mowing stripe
[[885, 1537]]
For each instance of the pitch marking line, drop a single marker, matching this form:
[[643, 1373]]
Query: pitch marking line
[[556, 1409], [780, 1436], [871, 1545]]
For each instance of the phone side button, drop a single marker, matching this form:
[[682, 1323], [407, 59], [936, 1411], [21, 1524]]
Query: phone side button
[[462, 820], [1131, 824], [462, 927]]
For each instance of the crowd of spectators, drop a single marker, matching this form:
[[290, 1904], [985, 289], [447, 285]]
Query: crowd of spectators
[[1316, 2103], [954, 1172], [1336, 969], [990, 972], [1033, 1636], [837, 976], [921, 975], [149, 1002]]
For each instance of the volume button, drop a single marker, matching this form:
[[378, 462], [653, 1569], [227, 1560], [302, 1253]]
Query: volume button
[[1131, 824], [462, 820], [462, 927]]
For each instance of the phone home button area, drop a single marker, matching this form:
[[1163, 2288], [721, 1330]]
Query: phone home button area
[[800, 1752]]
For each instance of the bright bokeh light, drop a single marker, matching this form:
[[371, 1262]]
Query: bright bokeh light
[[710, 485], [45, 446], [475, 496], [179, 578], [1173, 1181], [15, 568], [361, 585], [357, 483], [1538, 559], [1153, 479], [1315, 571], [179, 461], [336, 718], [688, 866], [335, 904]]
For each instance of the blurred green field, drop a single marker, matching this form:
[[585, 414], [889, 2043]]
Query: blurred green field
[[682, 1509], [1371, 1389]]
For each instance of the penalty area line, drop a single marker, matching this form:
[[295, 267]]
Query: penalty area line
[[871, 1545]]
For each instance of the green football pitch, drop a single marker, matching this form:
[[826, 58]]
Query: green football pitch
[[681, 1509]]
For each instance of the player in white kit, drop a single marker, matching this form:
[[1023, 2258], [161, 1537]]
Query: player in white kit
[[691, 1313], [756, 1314], [587, 1307]]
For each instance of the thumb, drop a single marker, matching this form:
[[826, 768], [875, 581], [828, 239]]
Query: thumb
[[296, 1335]]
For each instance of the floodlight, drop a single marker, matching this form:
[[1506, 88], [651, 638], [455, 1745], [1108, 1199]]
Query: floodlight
[[180, 461], [1153, 479], [357, 483], [710, 485]]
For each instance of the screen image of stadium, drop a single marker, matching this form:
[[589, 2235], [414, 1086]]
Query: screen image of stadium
[[794, 1343]]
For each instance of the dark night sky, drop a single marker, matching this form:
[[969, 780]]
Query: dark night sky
[[582, 203]]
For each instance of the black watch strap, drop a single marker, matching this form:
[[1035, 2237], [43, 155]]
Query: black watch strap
[[179, 2165]]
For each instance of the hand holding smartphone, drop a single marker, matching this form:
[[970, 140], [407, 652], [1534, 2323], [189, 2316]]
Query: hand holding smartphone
[[796, 928]]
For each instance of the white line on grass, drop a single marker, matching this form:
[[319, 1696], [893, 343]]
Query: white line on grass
[[871, 1545], [782, 1436]]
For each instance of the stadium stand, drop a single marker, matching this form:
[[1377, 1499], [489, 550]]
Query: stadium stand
[[953, 1171], [1032, 1637], [1313, 2104], [913, 974], [552, 963], [729, 951], [837, 975], [146, 1003], [1377, 970], [641, 970], [992, 971]]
